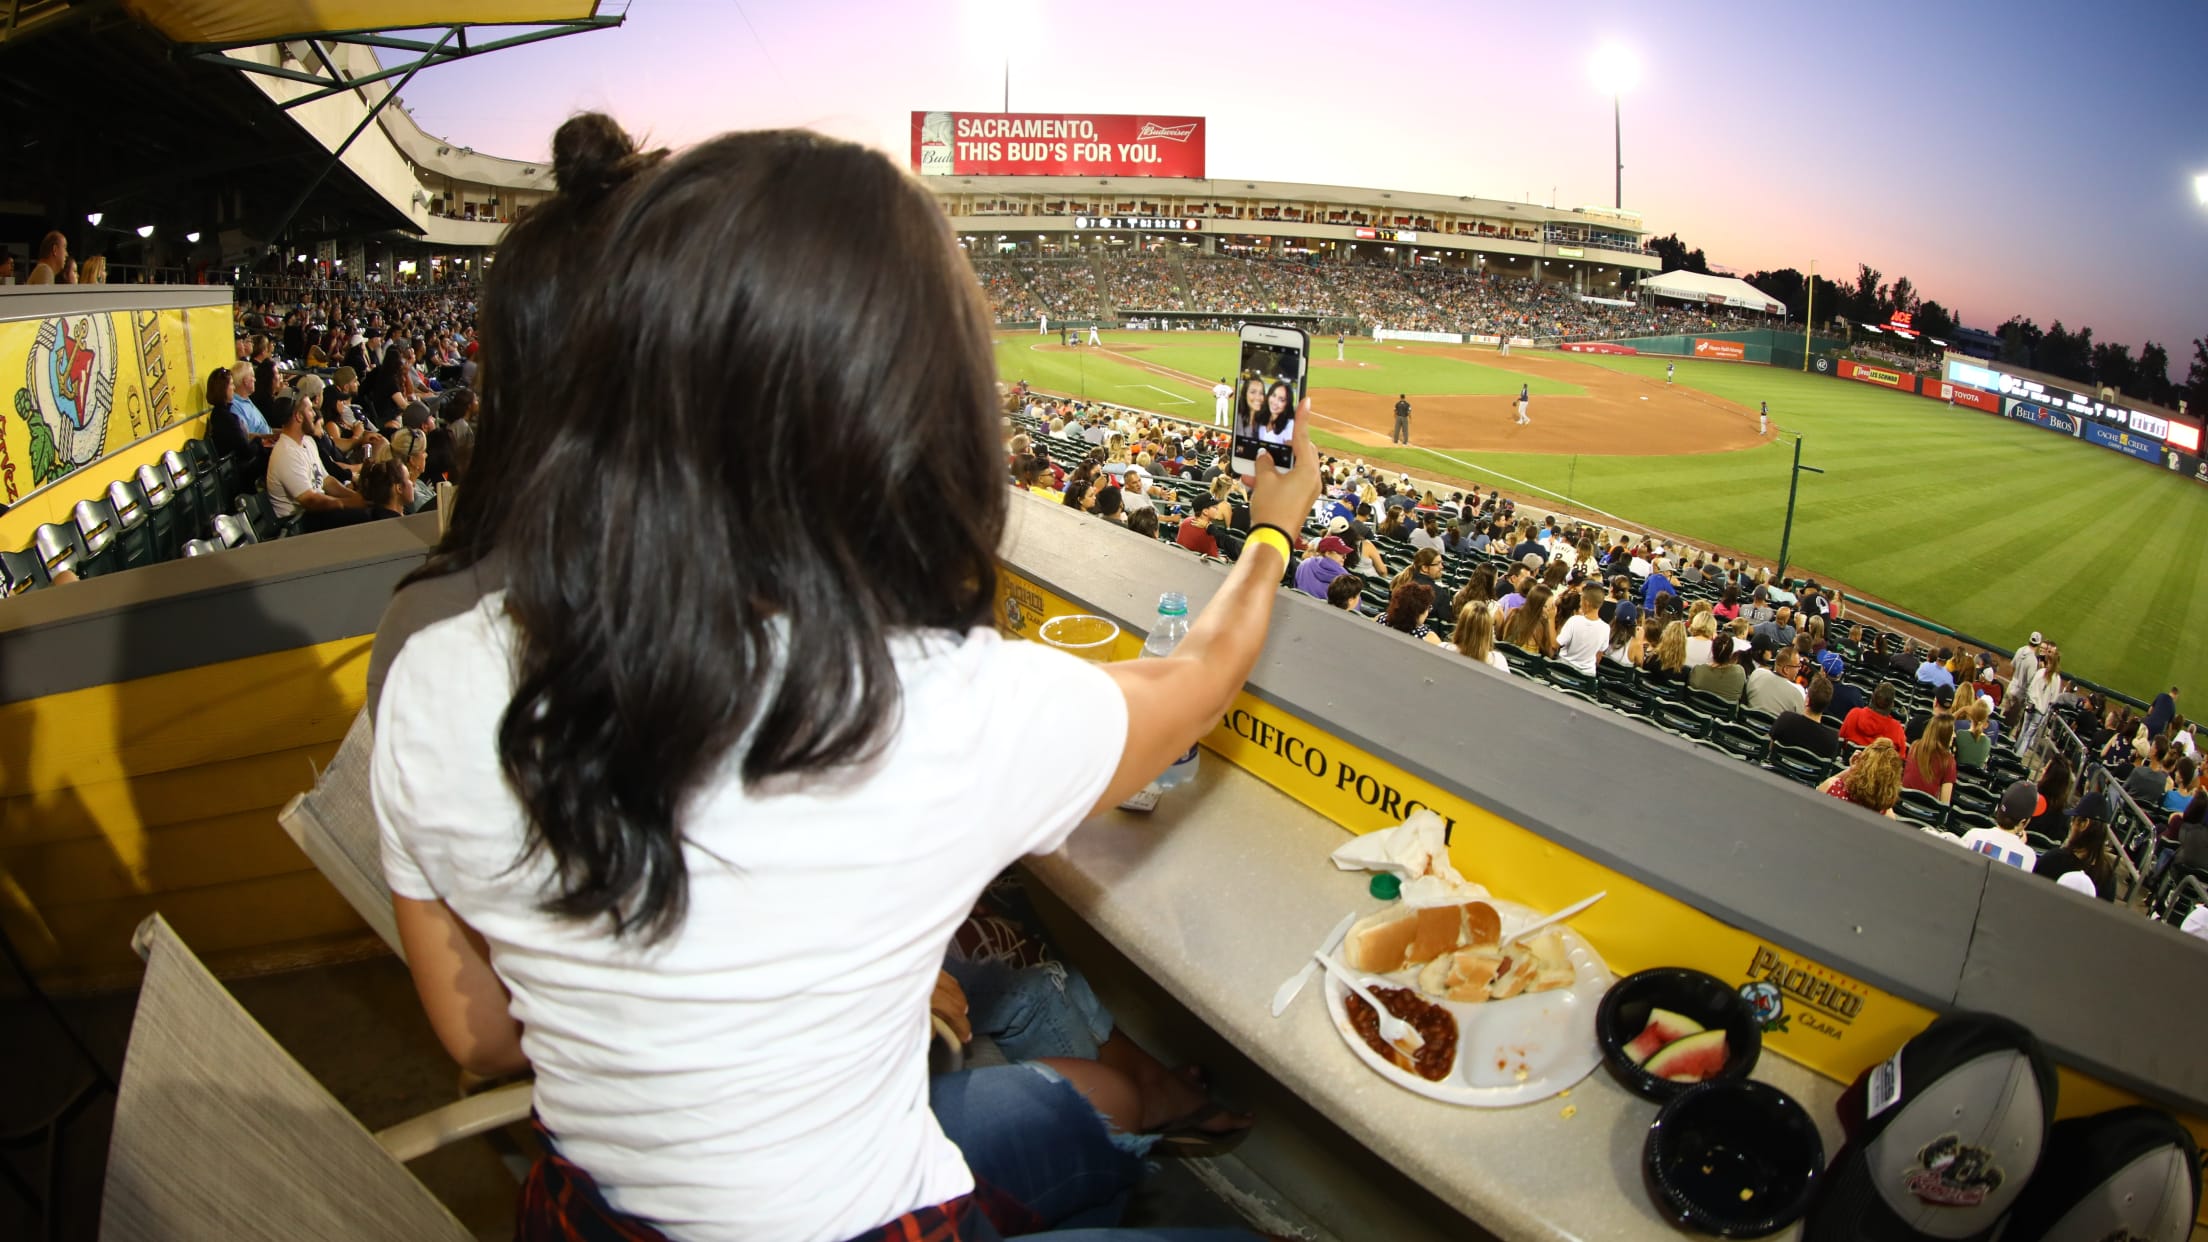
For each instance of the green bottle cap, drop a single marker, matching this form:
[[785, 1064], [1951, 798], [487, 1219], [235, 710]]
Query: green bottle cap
[[1386, 887]]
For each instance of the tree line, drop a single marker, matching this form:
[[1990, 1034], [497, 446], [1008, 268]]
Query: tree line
[[2071, 354]]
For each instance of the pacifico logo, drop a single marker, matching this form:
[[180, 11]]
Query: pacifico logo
[[1171, 133], [1828, 1002]]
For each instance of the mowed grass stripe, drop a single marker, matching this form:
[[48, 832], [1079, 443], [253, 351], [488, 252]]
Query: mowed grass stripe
[[1990, 526]]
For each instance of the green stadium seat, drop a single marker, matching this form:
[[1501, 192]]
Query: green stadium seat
[[1564, 677], [1740, 741], [254, 508], [166, 520], [21, 572], [1797, 764], [1681, 718], [1716, 707], [214, 492], [185, 497], [100, 531], [134, 525], [1919, 807], [233, 530], [59, 546]]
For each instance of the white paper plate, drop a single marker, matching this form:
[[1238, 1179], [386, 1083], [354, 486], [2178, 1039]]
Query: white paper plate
[[1549, 1036]]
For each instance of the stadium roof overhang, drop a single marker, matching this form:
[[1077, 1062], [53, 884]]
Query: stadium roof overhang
[[136, 110]]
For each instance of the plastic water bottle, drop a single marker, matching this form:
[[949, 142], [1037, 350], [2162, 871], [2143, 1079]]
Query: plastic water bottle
[[1171, 628]]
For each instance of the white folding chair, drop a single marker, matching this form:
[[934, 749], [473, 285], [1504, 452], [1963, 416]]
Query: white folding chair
[[220, 1135]]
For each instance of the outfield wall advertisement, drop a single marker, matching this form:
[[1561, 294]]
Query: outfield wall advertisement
[[1884, 377], [1720, 351], [1026, 144], [2079, 415]]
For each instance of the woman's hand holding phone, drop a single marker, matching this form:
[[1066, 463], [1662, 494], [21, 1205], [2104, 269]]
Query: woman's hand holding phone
[[1284, 498]]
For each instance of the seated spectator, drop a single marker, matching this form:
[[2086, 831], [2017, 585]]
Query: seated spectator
[[1758, 608], [1344, 591], [297, 482], [1866, 724], [1659, 583], [242, 380], [1519, 581], [1478, 592], [2150, 777], [1531, 627], [1475, 638], [1973, 743], [1528, 545], [1722, 676], [1701, 630], [1808, 729], [2085, 848], [2184, 782], [1104, 502], [226, 433], [1872, 781], [1934, 672], [1931, 766], [1827, 659], [1322, 567], [411, 447], [1727, 608], [1195, 532], [52, 264], [1893, 656], [1774, 690], [1134, 493], [1665, 660], [1582, 639], [1408, 606], [1143, 522], [1773, 634], [1426, 536], [385, 489], [2004, 842], [1943, 704]]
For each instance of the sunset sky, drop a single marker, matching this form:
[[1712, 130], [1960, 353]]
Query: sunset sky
[[2022, 157]]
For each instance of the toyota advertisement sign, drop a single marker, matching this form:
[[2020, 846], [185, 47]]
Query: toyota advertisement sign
[[1027, 144]]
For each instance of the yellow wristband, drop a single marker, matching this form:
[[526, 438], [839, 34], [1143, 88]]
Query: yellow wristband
[[1270, 538]]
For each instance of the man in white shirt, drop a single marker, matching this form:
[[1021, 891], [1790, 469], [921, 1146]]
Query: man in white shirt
[[2023, 664], [1221, 394], [2005, 842], [1134, 491], [296, 480], [1584, 638]]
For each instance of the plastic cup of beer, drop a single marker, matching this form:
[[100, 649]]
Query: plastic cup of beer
[[1095, 639]]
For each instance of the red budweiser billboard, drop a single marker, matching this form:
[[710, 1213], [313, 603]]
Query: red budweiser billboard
[[1034, 144]]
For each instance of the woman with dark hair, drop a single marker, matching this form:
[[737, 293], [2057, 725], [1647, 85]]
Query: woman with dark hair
[[382, 390], [1722, 676], [384, 486], [1408, 606], [619, 780], [1727, 608], [1478, 591], [2055, 781], [1280, 414], [2086, 848], [1253, 405], [1530, 627], [226, 433]]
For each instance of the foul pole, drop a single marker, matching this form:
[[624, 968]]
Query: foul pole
[[1809, 310]]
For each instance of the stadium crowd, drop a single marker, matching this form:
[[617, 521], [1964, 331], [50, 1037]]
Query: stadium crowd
[[1423, 298], [1963, 743]]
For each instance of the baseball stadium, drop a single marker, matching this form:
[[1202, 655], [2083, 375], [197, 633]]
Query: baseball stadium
[[771, 687]]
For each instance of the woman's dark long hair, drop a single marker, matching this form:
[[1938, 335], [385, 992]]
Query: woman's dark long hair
[[1407, 603], [1278, 423], [681, 358]]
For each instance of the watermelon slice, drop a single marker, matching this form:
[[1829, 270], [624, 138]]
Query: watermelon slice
[[1664, 1027], [1696, 1058]]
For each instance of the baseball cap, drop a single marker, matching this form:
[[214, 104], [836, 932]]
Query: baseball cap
[[2128, 1173], [2019, 802], [343, 376], [1337, 526], [2092, 806], [2196, 922], [1533, 561], [359, 338], [2078, 882], [2036, 639], [1944, 695], [1942, 1136], [1331, 544]]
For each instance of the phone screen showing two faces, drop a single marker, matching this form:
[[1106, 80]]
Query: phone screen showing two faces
[[1268, 385]]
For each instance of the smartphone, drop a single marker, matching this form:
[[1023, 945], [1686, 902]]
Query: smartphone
[[1269, 384]]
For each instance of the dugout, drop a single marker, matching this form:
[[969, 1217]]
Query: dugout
[[164, 715]]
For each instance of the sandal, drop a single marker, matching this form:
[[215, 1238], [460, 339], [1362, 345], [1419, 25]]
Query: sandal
[[1186, 1139]]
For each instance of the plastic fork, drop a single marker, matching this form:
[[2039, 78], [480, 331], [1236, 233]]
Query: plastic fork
[[1392, 1029]]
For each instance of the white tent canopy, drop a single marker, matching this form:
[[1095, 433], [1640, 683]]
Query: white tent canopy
[[1712, 291]]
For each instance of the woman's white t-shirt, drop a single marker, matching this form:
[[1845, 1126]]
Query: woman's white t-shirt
[[762, 1072]]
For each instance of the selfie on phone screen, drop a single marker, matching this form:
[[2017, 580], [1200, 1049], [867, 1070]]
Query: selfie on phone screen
[[1269, 384]]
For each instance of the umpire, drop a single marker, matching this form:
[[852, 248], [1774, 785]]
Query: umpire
[[1402, 420]]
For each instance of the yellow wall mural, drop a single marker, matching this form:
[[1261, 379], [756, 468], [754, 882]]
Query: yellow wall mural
[[76, 387]]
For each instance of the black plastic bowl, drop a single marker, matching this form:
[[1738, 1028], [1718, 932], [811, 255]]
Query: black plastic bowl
[[1705, 998], [1720, 1141]]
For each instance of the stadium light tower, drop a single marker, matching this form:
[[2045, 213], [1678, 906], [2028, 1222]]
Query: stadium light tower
[[1616, 70]]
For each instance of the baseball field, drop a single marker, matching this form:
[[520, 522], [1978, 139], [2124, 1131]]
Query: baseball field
[[1988, 526]]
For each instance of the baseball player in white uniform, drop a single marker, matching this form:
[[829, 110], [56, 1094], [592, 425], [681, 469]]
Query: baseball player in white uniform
[[1763, 418], [1094, 339], [1221, 394], [1669, 367], [1042, 326], [1524, 400]]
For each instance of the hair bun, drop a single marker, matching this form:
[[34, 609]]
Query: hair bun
[[590, 154]]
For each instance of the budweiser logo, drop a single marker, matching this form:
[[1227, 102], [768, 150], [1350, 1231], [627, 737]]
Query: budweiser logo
[[1173, 133]]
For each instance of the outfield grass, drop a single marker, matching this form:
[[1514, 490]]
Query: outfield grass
[[1985, 525]]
